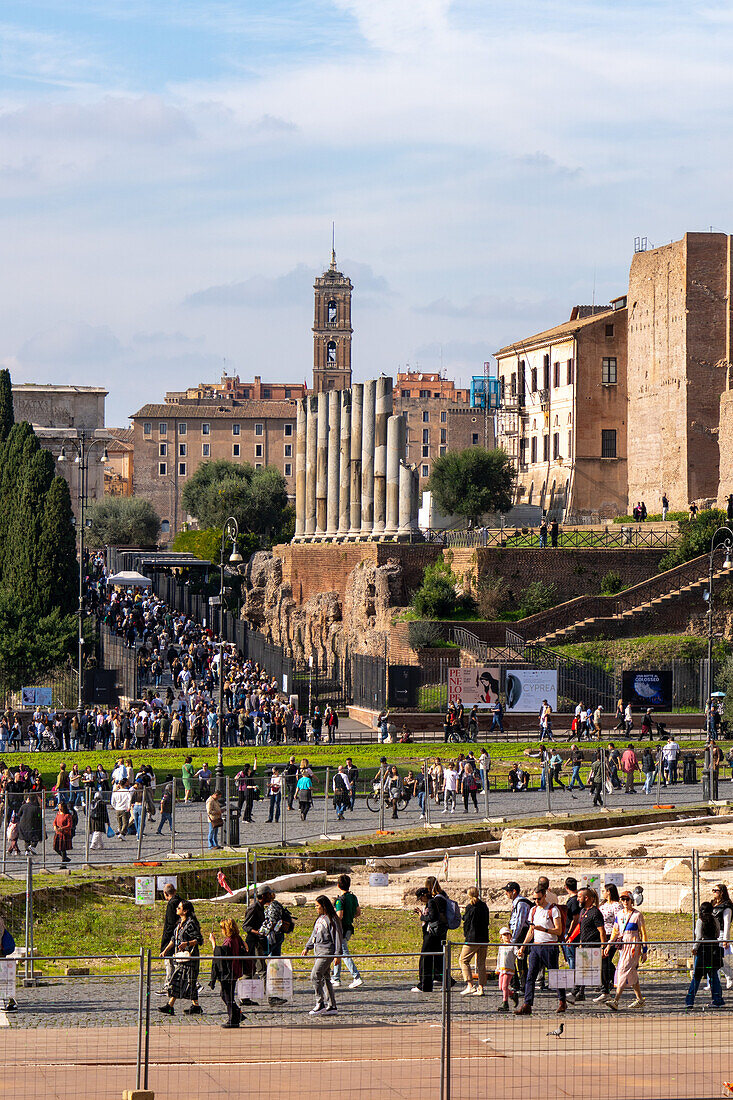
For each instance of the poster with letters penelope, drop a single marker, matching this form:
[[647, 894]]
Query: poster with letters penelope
[[527, 687], [474, 686]]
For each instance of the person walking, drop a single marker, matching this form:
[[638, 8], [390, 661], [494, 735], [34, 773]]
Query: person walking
[[187, 775], [325, 941], [30, 823], [476, 935], [629, 764], [166, 805], [723, 911], [347, 909], [518, 925], [595, 779], [592, 931], [98, 822], [432, 913], [541, 941], [341, 792], [274, 791], [216, 819], [610, 908], [665, 507], [304, 794], [505, 967], [226, 968], [184, 950], [469, 787], [708, 955], [576, 762], [628, 927], [170, 919], [63, 826]]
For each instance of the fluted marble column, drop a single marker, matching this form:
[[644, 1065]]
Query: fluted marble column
[[357, 408], [382, 412], [322, 465], [408, 515], [300, 434], [344, 466], [367, 458], [395, 451], [311, 429], [334, 445]]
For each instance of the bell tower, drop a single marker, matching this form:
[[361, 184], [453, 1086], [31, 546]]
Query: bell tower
[[332, 330]]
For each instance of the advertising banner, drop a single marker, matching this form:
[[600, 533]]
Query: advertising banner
[[647, 689], [474, 686], [527, 687]]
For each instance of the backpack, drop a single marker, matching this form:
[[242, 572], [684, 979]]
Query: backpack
[[522, 932], [452, 913], [288, 921]]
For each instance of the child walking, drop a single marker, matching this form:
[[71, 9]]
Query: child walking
[[505, 958]]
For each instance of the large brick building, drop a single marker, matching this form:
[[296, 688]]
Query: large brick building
[[439, 419], [563, 413], [679, 348]]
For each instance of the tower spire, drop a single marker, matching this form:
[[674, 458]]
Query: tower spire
[[333, 246]]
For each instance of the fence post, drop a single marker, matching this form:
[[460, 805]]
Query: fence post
[[246, 872], [695, 887], [140, 982], [43, 826], [87, 807], [477, 861], [659, 777], [283, 817], [5, 833], [254, 872], [445, 1026], [173, 816], [485, 777], [147, 1023], [141, 830], [381, 798], [28, 978], [603, 777], [325, 803], [427, 792], [226, 811], [548, 780]]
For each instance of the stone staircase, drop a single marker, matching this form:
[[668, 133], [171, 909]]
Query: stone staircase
[[564, 622]]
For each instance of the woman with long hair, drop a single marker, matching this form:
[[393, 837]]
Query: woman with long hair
[[325, 939], [723, 911], [708, 955], [226, 968], [184, 947], [628, 927]]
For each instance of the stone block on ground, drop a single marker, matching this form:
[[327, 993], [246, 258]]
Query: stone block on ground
[[677, 870], [534, 844], [714, 863], [684, 901]]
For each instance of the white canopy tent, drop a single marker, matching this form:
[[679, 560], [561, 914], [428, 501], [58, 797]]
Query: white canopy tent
[[129, 579]]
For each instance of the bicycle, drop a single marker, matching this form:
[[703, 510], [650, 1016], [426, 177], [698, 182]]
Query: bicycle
[[374, 798]]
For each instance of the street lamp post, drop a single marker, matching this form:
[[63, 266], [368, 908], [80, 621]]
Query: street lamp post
[[82, 447], [230, 531], [728, 562]]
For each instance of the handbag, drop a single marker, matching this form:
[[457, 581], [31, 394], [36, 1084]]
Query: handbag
[[182, 956]]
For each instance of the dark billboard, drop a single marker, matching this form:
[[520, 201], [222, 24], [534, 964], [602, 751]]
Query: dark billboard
[[648, 689]]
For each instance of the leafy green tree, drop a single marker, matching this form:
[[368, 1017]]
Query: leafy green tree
[[57, 561], [257, 499], [31, 646], [206, 544], [20, 574], [438, 597], [122, 521], [537, 597], [472, 483], [695, 537], [15, 452], [7, 415]]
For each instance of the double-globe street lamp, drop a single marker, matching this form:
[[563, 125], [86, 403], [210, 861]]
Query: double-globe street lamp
[[726, 544], [229, 533], [81, 447]]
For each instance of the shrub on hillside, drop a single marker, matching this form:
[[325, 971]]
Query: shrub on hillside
[[537, 597], [611, 584]]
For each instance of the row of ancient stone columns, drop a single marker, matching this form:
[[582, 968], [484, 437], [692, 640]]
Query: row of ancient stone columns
[[351, 477]]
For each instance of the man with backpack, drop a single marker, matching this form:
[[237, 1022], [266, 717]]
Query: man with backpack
[[519, 924], [347, 910], [541, 941]]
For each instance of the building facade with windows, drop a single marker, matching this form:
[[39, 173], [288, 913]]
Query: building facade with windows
[[230, 388], [439, 419], [173, 438], [563, 413]]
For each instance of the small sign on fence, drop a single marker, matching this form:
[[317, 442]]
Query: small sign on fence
[[167, 880], [7, 979], [36, 697], [588, 965], [145, 890], [613, 878], [561, 979], [280, 979], [379, 878]]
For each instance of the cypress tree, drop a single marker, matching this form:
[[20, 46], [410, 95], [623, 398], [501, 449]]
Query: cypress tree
[[17, 450], [7, 415], [57, 572], [20, 574]]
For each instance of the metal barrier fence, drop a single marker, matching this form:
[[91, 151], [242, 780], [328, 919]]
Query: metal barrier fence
[[617, 537], [101, 1031]]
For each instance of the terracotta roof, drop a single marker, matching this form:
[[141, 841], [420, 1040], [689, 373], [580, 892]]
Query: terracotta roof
[[122, 435], [567, 328], [199, 410]]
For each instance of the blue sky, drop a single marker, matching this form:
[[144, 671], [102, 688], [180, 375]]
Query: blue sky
[[169, 171]]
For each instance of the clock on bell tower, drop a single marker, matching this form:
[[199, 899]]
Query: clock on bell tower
[[332, 330]]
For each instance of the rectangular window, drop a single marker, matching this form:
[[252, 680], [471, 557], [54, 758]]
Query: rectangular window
[[570, 444], [406, 395], [245, 395], [182, 428], [426, 435], [162, 468], [513, 386], [608, 443], [556, 445], [288, 450], [258, 450], [163, 429], [236, 428], [545, 447], [182, 450], [545, 372], [426, 452], [206, 450], [288, 469], [609, 332], [425, 471], [522, 452], [258, 465], [425, 417], [259, 429], [425, 393], [206, 429], [533, 448], [569, 372], [443, 450], [443, 435], [288, 429], [162, 449], [235, 450], [288, 394], [533, 380], [181, 469], [474, 438], [608, 371], [266, 393], [556, 375], [443, 417], [147, 429]]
